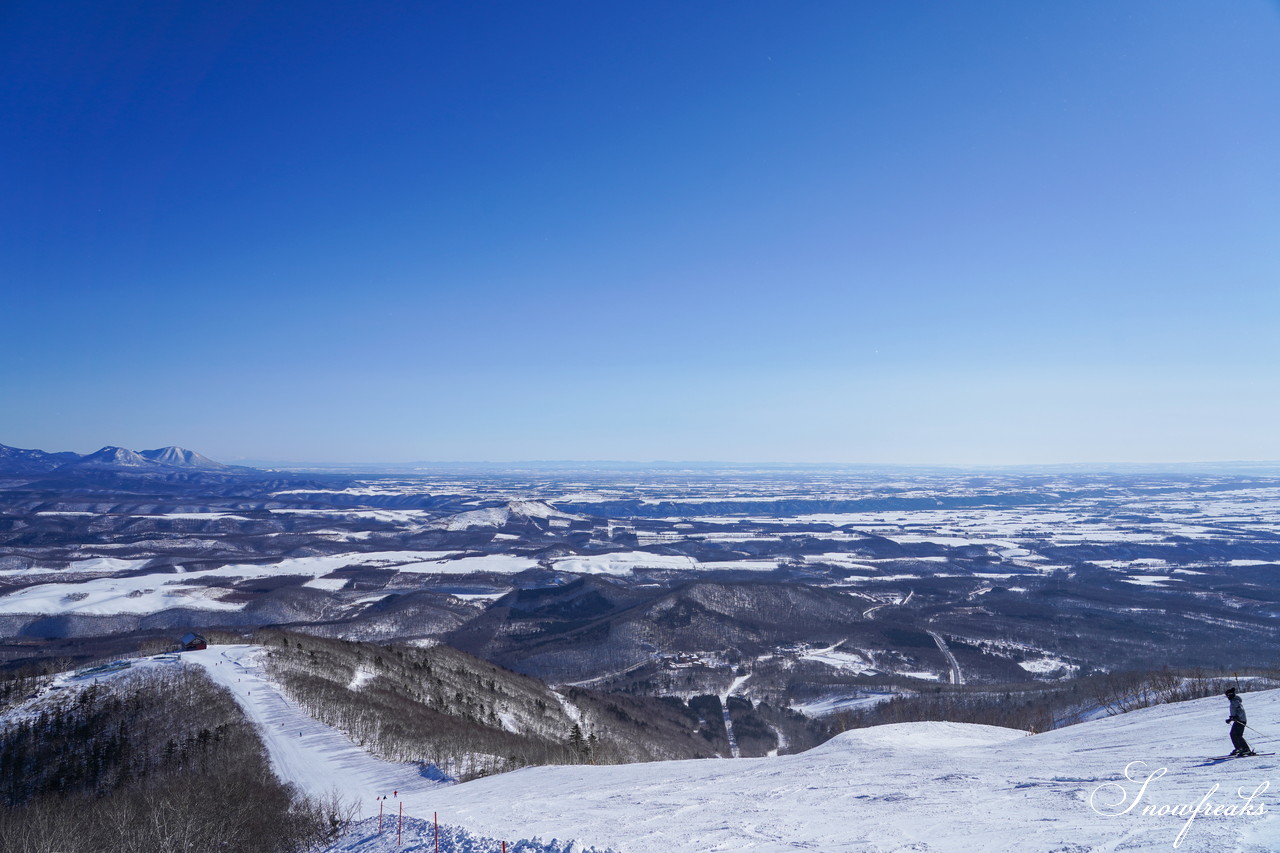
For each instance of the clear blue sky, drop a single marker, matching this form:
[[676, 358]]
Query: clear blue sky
[[946, 232]]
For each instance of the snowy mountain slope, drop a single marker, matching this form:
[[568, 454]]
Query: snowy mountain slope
[[944, 787], [918, 786], [180, 457], [16, 460], [314, 757], [113, 457]]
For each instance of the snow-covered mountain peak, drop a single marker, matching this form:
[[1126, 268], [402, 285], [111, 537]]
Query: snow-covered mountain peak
[[180, 457], [115, 456]]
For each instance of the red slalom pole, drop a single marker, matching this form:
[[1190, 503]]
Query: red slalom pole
[[435, 818], [380, 804], [400, 828]]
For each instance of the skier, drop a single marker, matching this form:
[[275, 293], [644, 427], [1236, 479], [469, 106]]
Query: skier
[[1237, 720]]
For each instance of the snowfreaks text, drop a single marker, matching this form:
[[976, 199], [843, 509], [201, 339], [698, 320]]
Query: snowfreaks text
[[1112, 799]]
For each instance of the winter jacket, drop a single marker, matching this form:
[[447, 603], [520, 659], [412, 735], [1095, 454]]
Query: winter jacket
[[1237, 710]]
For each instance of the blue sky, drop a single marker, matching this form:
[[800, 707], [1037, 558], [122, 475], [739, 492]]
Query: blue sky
[[967, 233]]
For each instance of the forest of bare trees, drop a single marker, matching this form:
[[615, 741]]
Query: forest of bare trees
[[153, 761], [1041, 707], [468, 717]]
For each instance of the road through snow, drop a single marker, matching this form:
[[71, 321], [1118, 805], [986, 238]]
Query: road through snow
[[957, 677]]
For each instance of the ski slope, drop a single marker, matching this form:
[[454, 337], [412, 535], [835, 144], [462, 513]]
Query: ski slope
[[316, 758], [946, 787], [920, 787]]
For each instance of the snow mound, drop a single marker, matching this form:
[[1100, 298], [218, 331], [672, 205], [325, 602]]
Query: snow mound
[[927, 735], [932, 786]]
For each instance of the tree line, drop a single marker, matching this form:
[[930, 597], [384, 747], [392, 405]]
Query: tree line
[[1042, 707]]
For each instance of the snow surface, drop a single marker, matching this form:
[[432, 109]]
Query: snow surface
[[1148, 580], [840, 558], [833, 704], [923, 787], [627, 562], [913, 786], [501, 563], [1046, 665], [854, 662], [155, 592], [416, 835], [105, 596]]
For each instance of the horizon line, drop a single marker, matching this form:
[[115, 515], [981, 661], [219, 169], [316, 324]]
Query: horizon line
[[707, 463]]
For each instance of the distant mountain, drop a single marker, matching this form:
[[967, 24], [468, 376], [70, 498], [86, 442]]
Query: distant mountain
[[111, 457], [179, 457], [112, 460], [16, 461]]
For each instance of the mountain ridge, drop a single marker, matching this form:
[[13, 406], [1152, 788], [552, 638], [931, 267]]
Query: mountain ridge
[[111, 459]]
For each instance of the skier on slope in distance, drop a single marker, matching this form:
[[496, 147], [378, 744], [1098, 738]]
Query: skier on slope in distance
[[1237, 720]]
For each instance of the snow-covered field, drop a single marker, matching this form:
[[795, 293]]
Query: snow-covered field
[[627, 562], [858, 664], [113, 591], [113, 594], [918, 787], [91, 581]]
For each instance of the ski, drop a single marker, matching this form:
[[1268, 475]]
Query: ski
[[1229, 757]]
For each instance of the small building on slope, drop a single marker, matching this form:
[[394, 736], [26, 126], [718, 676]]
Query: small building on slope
[[192, 642]]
